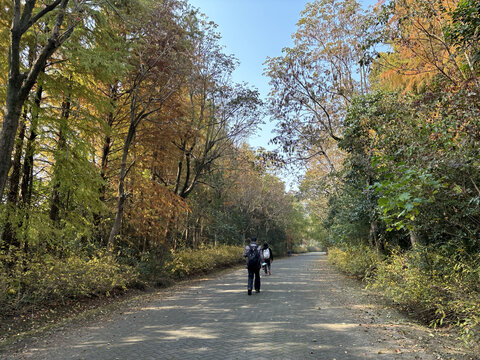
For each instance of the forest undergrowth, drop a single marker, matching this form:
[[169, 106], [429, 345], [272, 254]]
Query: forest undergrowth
[[41, 294], [431, 286]]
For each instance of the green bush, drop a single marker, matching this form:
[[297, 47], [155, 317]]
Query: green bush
[[189, 262], [50, 281], [152, 267], [440, 287], [358, 261], [300, 249]]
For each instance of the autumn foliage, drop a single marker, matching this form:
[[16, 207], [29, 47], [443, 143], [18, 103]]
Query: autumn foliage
[[382, 107], [123, 137]]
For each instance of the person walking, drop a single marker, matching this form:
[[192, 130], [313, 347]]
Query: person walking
[[254, 260], [267, 256]]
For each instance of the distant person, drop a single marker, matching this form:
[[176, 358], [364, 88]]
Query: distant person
[[267, 256], [254, 260]]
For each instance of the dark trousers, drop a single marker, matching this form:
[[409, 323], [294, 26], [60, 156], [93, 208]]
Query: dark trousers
[[254, 273], [267, 265]]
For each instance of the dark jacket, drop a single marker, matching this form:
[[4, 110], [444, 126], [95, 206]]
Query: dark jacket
[[258, 249]]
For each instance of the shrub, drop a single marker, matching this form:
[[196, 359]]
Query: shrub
[[358, 261], [50, 281], [300, 249], [189, 262], [440, 287], [152, 267]]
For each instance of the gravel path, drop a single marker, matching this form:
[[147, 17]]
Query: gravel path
[[305, 310]]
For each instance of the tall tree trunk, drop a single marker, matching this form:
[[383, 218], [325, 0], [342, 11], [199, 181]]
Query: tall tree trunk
[[27, 171], [104, 164], [12, 197], [26, 185], [374, 239], [9, 130], [55, 204], [106, 148], [20, 84], [97, 220], [8, 236], [107, 141], [121, 187]]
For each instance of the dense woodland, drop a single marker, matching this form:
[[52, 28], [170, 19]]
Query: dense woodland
[[383, 107], [123, 151], [123, 157]]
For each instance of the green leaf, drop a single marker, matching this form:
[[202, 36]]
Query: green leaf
[[404, 196]]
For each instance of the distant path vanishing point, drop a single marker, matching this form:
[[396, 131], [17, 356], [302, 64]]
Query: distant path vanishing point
[[305, 310]]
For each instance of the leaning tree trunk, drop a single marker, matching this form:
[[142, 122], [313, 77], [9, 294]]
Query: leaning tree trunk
[[121, 187]]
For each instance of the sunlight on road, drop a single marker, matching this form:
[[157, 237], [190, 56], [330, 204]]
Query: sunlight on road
[[334, 326], [191, 332]]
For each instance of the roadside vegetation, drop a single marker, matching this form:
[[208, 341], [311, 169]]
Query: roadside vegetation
[[430, 285], [382, 107], [50, 283]]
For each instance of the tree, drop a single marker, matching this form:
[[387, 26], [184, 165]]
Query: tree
[[463, 31], [156, 77], [313, 83], [415, 29], [21, 79], [219, 114]]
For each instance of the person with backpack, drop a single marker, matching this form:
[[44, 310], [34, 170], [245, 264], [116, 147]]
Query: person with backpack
[[254, 260], [267, 256]]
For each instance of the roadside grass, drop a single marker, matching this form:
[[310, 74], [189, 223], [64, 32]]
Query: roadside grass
[[300, 249], [357, 261], [47, 292], [438, 288], [188, 262]]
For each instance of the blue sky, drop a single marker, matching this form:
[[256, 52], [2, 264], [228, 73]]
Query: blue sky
[[253, 30]]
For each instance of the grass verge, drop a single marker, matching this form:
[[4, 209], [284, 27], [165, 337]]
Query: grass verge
[[54, 291], [437, 287]]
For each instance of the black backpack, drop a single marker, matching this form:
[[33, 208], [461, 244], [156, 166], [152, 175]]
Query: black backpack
[[253, 258]]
